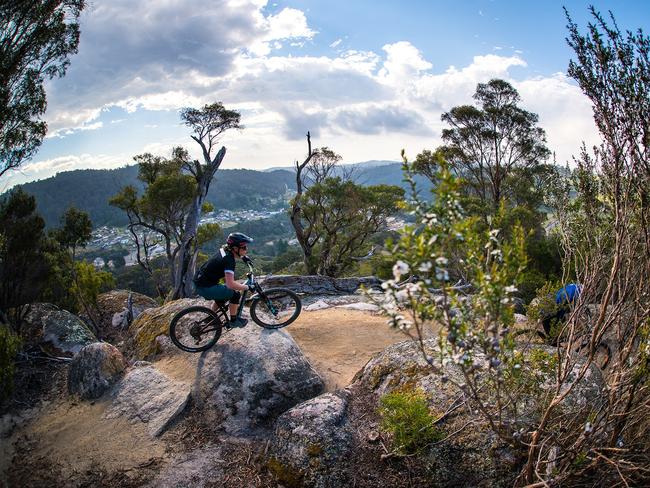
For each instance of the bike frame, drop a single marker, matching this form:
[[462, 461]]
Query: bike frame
[[250, 280]]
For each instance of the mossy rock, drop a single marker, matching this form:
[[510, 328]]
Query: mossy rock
[[56, 331], [154, 322], [285, 474]]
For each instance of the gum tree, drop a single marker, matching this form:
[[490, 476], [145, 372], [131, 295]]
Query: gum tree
[[36, 41]]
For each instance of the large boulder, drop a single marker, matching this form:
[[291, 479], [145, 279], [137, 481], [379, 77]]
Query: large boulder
[[474, 456], [94, 370], [251, 376], [56, 331], [311, 441], [154, 322], [113, 310], [149, 396], [320, 285]]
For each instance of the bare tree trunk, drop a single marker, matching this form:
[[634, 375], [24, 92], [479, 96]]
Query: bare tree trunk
[[296, 214], [186, 256]]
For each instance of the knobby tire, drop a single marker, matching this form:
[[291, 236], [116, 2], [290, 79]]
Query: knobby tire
[[287, 302], [190, 320]]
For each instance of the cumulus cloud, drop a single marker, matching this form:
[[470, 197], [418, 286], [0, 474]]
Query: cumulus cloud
[[144, 55], [381, 119], [132, 52]]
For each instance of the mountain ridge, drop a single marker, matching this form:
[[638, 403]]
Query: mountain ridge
[[231, 189]]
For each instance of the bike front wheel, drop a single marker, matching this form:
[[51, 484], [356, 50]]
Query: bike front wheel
[[275, 308], [195, 329]]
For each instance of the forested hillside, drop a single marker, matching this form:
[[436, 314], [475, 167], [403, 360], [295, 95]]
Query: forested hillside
[[91, 189], [232, 189]]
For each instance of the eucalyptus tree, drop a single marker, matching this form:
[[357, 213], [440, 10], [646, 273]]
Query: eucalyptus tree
[[333, 217], [167, 214], [37, 38], [486, 144]]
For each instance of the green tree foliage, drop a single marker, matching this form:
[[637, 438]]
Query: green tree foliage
[[36, 40], [332, 216], [157, 216], [75, 231], [23, 266], [485, 145], [498, 152], [341, 216], [89, 283]]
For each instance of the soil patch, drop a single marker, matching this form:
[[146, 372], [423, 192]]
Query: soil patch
[[339, 342], [75, 438]]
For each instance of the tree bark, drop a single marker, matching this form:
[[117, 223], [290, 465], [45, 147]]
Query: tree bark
[[186, 257], [296, 214]]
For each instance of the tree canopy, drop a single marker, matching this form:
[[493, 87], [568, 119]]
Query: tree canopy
[[36, 41], [485, 144]]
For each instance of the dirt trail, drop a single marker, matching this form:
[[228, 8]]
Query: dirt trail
[[72, 437], [339, 342]]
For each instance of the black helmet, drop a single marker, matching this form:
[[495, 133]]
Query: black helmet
[[236, 239]]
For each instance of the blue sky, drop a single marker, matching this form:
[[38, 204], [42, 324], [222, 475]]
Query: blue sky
[[367, 78]]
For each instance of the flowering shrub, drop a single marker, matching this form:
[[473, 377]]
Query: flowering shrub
[[442, 246]]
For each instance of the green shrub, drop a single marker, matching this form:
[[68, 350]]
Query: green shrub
[[9, 345], [544, 303], [405, 415]]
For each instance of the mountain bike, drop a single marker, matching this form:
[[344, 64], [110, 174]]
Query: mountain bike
[[198, 328]]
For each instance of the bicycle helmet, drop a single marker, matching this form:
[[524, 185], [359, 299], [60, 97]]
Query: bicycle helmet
[[236, 239]]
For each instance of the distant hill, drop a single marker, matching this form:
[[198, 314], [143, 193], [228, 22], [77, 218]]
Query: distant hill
[[232, 189], [90, 190], [363, 165]]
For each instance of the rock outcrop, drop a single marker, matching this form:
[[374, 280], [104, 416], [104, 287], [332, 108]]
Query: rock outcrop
[[56, 331], [154, 322], [311, 441], [113, 309], [320, 285], [250, 377], [94, 370], [149, 396]]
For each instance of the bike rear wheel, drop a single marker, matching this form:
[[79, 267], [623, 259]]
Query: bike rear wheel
[[275, 308], [195, 329]]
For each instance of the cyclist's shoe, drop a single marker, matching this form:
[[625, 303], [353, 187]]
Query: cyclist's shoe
[[239, 322]]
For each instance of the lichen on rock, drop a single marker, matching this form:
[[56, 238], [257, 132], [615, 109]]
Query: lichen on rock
[[94, 370]]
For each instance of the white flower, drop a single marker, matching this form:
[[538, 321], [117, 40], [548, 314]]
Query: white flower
[[442, 274], [511, 289], [442, 261], [399, 269], [425, 267], [496, 253], [494, 232]]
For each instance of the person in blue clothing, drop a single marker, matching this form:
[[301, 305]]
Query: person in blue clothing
[[207, 279], [565, 297]]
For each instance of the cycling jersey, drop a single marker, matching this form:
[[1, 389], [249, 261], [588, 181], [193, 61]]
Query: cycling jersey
[[215, 269]]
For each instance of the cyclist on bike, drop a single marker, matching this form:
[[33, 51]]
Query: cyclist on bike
[[564, 298], [207, 280]]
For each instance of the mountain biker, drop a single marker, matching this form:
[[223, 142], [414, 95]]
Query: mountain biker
[[564, 298], [222, 265]]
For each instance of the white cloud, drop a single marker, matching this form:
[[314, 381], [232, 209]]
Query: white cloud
[[564, 112], [403, 62], [145, 56], [44, 168]]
